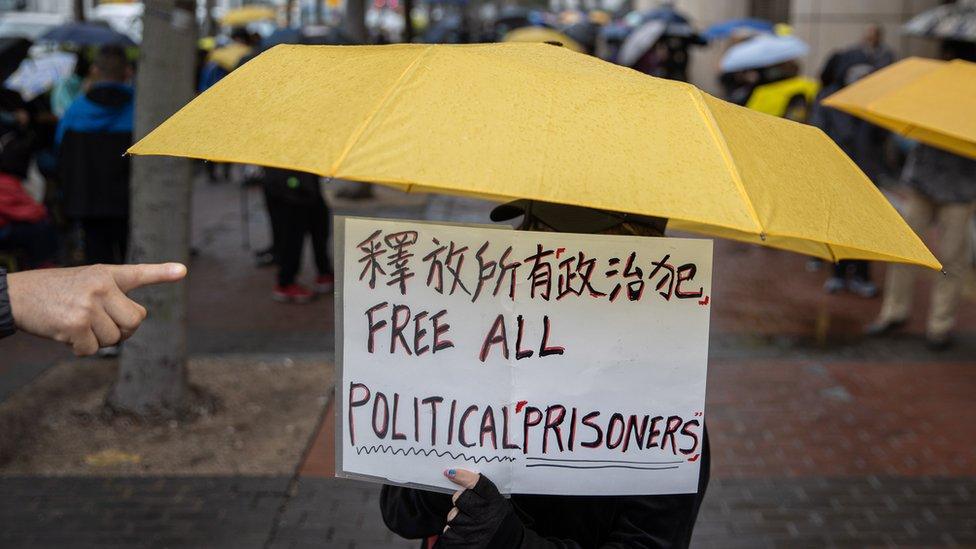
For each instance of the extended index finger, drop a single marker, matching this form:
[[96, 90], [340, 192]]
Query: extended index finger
[[130, 277]]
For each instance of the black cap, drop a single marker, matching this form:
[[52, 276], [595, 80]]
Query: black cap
[[572, 219]]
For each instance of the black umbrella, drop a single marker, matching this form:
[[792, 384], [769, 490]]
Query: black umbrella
[[12, 53], [86, 34], [949, 22]]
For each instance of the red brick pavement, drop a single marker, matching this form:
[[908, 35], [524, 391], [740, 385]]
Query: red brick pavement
[[761, 291], [775, 419]]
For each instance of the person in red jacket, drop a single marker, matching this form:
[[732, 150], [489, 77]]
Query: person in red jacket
[[24, 225]]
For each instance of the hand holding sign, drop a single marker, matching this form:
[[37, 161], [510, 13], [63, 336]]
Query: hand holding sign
[[481, 517]]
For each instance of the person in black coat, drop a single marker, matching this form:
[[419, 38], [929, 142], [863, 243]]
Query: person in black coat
[[478, 516], [862, 141], [92, 138]]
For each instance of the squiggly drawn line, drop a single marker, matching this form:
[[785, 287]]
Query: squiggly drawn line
[[385, 449]]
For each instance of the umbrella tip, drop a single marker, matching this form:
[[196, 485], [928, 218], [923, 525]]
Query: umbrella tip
[[554, 43], [944, 273], [762, 236]]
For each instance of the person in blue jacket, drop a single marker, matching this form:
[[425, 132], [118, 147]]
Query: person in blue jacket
[[92, 138]]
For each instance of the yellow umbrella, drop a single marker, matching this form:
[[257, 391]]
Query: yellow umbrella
[[542, 34], [247, 14], [229, 56], [928, 100], [506, 121]]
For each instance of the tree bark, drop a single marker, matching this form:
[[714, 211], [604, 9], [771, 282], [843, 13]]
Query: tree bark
[[152, 378], [355, 20]]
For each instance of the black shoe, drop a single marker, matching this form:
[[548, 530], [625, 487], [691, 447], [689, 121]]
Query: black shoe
[[938, 343], [883, 327]]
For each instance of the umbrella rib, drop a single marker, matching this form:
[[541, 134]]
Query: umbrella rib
[[726, 156], [354, 138]]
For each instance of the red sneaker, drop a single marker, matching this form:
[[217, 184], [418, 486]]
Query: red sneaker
[[324, 284], [293, 293]]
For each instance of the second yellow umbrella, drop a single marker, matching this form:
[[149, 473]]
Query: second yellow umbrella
[[928, 100], [535, 121], [247, 14]]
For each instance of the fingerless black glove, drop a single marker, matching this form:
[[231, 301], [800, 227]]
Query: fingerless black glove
[[485, 519]]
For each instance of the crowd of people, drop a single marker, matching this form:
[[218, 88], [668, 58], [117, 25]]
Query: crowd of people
[[76, 136], [74, 139]]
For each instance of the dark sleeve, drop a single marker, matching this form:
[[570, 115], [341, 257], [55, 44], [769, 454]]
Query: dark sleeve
[[660, 522], [6, 315], [414, 514]]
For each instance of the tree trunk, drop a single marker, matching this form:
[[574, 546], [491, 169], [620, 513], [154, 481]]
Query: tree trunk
[[79, 10], [152, 378], [355, 20]]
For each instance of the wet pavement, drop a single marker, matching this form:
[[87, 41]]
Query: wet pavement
[[819, 437]]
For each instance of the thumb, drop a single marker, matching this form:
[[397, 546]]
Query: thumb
[[130, 277], [462, 477]]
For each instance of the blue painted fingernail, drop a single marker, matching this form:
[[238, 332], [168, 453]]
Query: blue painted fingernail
[[451, 472]]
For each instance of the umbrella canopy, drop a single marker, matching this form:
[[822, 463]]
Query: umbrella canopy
[[533, 121], [239, 17], [638, 42], [542, 34], [676, 24], [725, 29], [924, 99], [764, 50], [229, 56], [37, 75], [947, 22], [86, 34]]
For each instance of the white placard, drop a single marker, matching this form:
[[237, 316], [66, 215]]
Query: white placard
[[553, 363]]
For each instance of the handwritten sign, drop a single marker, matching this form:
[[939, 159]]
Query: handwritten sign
[[552, 363]]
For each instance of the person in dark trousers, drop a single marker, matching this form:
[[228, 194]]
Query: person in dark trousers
[[92, 138], [296, 208], [481, 517], [862, 141]]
